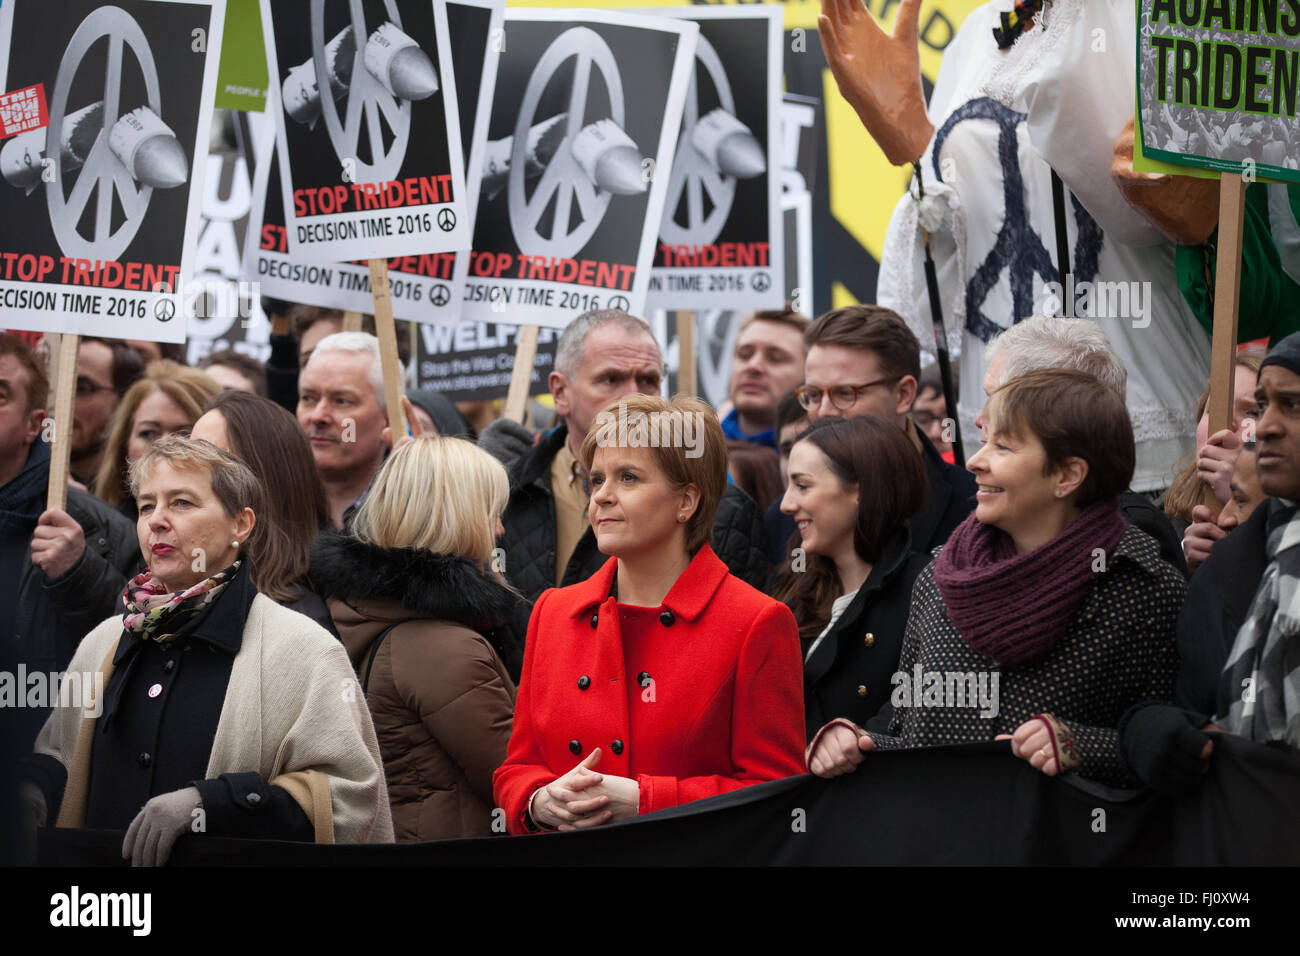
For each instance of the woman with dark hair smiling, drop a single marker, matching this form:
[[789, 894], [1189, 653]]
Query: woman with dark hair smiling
[[853, 484], [268, 440], [676, 679], [1056, 615]]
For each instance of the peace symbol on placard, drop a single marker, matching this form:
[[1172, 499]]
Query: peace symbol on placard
[[619, 302], [563, 179], [760, 281], [102, 173], [446, 220], [693, 173], [366, 100], [440, 295]]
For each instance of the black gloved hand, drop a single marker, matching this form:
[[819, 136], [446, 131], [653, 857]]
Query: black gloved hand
[[505, 440], [1164, 746]]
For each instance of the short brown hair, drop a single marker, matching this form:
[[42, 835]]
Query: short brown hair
[[870, 328], [38, 385], [1074, 415], [786, 316], [233, 482], [707, 471]]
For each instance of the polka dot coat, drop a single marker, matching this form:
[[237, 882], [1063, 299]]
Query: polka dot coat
[[1119, 649]]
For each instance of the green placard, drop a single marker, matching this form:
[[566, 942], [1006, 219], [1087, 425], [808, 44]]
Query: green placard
[[242, 77], [1217, 89]]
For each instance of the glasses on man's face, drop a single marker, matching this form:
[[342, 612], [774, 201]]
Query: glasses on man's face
[[842, 397], [87, 388]]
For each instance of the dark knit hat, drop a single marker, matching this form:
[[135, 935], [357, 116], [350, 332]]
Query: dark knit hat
[[1286, 354]]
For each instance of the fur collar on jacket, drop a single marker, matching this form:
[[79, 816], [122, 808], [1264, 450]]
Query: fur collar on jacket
[[435, 586]]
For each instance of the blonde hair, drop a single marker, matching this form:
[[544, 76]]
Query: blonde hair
[[189, 388], [706, 470], [443, 495]]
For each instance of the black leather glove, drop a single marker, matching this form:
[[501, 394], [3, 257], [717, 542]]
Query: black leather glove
[[505, 440], [1162, 744]]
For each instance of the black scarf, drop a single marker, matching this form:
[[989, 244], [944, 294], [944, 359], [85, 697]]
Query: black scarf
[[23, 499]]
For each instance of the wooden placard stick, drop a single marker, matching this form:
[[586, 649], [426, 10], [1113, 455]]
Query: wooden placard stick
[[1227, 286], [387, 334], [352, 320], [686, 381], [64, 397], [521, 375]]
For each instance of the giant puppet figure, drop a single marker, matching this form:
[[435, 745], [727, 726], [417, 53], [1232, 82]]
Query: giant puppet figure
[[1015, 99]]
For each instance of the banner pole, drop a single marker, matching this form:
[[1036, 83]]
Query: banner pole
[[387, 334], [686, 378], [1227, 287], [521, 376], [61, 438], [352, 320]]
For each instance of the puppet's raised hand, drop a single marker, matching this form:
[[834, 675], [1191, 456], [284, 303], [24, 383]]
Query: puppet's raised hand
[[1184, 208], [879, 74]]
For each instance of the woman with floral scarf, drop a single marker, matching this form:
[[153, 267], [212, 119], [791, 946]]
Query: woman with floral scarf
[[215, 710]]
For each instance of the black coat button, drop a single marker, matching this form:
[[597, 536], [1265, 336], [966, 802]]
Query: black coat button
[[575, 747], [595, 618], [643, 678], [145, 759], [170, 665], [253, 799], [617, 746], [584, 682], [667, 619]]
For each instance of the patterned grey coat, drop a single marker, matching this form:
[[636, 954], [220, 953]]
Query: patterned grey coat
[[1119, 649]]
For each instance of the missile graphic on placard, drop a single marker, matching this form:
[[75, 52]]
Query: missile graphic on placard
[[399, 64], [149, 149], [728, 145], [20, 158], [544, 141], [299, 92], [610, 158]]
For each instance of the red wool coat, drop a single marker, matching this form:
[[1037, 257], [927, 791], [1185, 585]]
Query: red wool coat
[[725, 709]]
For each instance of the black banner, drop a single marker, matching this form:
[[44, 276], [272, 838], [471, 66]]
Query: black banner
[[946, 806]]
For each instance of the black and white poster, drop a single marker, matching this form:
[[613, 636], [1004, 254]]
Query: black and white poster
[[371, 159], [720, 240], [587, 107], [103, 145], [425, 287], [473, 361]]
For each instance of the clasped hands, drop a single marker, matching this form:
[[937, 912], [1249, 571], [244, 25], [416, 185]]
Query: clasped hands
[[583, 798]]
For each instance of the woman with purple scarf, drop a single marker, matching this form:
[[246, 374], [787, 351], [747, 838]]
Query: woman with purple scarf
[[1044, 617]]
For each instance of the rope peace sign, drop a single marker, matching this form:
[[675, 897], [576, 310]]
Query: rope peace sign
[[691, 171], [563, 178], [102, 173], [366, 98]]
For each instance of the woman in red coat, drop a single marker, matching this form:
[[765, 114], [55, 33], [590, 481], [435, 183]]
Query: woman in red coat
[[661, 679]]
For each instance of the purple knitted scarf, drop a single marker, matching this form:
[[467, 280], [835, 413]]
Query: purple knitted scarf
[[1015, 607]]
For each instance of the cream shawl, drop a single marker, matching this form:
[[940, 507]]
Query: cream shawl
[[293, 713]]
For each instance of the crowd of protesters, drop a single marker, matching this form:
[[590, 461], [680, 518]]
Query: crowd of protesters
[[320, 631]]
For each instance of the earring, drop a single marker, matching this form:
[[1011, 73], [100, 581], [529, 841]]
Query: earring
[[235, 544], [1059, 493], [681, 517]]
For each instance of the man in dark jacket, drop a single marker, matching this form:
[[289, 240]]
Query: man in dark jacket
[[601, 357], [61, 572], [1167, 746], [863, 360]]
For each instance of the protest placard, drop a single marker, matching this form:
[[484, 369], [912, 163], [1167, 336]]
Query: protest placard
[[99, 209], [587, 107], [720, 241], [370, 153]]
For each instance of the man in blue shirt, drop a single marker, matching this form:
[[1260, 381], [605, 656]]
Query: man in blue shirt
[[768, 363]]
